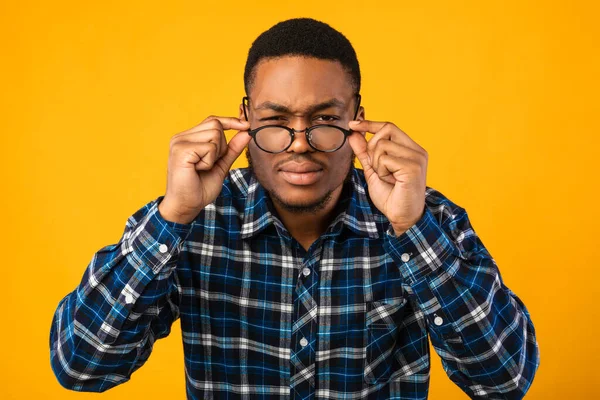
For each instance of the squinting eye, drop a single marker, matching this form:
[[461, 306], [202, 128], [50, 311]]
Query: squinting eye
[[275, 117], [328, 118]]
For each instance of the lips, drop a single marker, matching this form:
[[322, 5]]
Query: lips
[[301, 168], [301, 173]]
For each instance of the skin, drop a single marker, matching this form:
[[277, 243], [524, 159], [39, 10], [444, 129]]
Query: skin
[[305, 185], [304, 201]]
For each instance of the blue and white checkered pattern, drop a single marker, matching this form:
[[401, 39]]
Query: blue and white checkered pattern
[[263, 318]]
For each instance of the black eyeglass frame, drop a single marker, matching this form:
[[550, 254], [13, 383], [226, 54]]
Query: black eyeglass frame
[[307, 131]]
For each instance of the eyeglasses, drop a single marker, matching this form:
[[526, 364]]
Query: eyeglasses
[[278, 138]]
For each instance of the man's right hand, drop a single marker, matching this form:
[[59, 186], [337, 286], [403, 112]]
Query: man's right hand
[[199, 160]]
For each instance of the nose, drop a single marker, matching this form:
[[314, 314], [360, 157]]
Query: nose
[[300, 143]]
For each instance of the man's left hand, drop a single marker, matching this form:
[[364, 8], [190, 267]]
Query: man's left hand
[[395, 168]]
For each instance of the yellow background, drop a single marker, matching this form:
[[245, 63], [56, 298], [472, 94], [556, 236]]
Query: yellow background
[[503, 95]]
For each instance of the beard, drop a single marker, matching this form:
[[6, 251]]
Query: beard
[[300, 208]]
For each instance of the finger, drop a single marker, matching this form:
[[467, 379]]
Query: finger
[[384, 134], [383, 171], [200, 156], [229, 122], [236, 145], [214, 122], [215, 136], [391, 169], [208, 158], [393, 149], [367, 126], [222, 145], [384, 130], [359, 147]]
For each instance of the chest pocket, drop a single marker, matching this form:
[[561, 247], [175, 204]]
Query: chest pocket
[[381, 333]]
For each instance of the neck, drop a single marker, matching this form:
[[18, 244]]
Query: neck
[[306, 227]]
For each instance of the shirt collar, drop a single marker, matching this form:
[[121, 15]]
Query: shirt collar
[[257, 210], [354, 210]]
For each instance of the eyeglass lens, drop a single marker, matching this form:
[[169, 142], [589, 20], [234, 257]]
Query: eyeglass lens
[[323, 138]]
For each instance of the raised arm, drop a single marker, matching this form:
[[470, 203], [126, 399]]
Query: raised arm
[[105, 329], [481, 330]]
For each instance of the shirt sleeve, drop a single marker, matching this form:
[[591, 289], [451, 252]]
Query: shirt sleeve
[[128, 297], [481, 330]]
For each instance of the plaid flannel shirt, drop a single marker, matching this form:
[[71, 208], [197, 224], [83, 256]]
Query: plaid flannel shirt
[[263, 318]]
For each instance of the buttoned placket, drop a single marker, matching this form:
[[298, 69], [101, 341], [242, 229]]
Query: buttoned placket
[[304, 322]]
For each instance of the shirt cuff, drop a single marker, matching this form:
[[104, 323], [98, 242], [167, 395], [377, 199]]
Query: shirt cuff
[[182, 229], [157, 240], [422, 249]]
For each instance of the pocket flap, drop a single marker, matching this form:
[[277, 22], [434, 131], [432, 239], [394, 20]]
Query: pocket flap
[[388, 313]]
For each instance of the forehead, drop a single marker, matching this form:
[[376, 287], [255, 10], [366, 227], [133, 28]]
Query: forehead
[[298, 82]]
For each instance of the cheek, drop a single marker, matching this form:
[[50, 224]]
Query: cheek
[[260, 162], [342, 163], [345, 166], [254, 155]]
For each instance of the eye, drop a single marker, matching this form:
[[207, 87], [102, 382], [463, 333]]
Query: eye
[[271, 118], [328, 118]]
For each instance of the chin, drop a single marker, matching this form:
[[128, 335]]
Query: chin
[[301, 204]]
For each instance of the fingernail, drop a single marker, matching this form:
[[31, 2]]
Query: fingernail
[[354, 123]]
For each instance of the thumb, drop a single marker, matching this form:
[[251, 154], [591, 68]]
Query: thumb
[[236, 145], [359, 146]]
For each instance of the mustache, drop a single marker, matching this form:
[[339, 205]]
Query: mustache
[[299, 157]]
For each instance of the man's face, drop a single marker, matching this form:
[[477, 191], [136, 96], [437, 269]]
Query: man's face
[[287, 91]]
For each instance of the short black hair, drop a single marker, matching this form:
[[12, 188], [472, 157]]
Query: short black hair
[[302, 37]]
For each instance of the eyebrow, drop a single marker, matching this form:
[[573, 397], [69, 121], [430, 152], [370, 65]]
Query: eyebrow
[[269, 105]]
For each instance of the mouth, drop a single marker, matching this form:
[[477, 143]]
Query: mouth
[[301, 174]]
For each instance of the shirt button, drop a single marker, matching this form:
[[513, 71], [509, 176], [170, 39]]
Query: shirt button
[[163, 248], [306, 271], [303, 342], [405, 257], [128, 298], [438, 321]]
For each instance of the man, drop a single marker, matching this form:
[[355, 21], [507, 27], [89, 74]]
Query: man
[[300, 276]]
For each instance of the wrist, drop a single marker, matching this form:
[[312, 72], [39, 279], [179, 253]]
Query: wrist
[[400, 229], [173, 216]]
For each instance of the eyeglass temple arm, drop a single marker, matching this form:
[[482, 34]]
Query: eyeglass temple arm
[[244, 99], [358, 96]]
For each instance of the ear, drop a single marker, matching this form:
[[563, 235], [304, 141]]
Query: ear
[[361, 114], [241, 110]]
